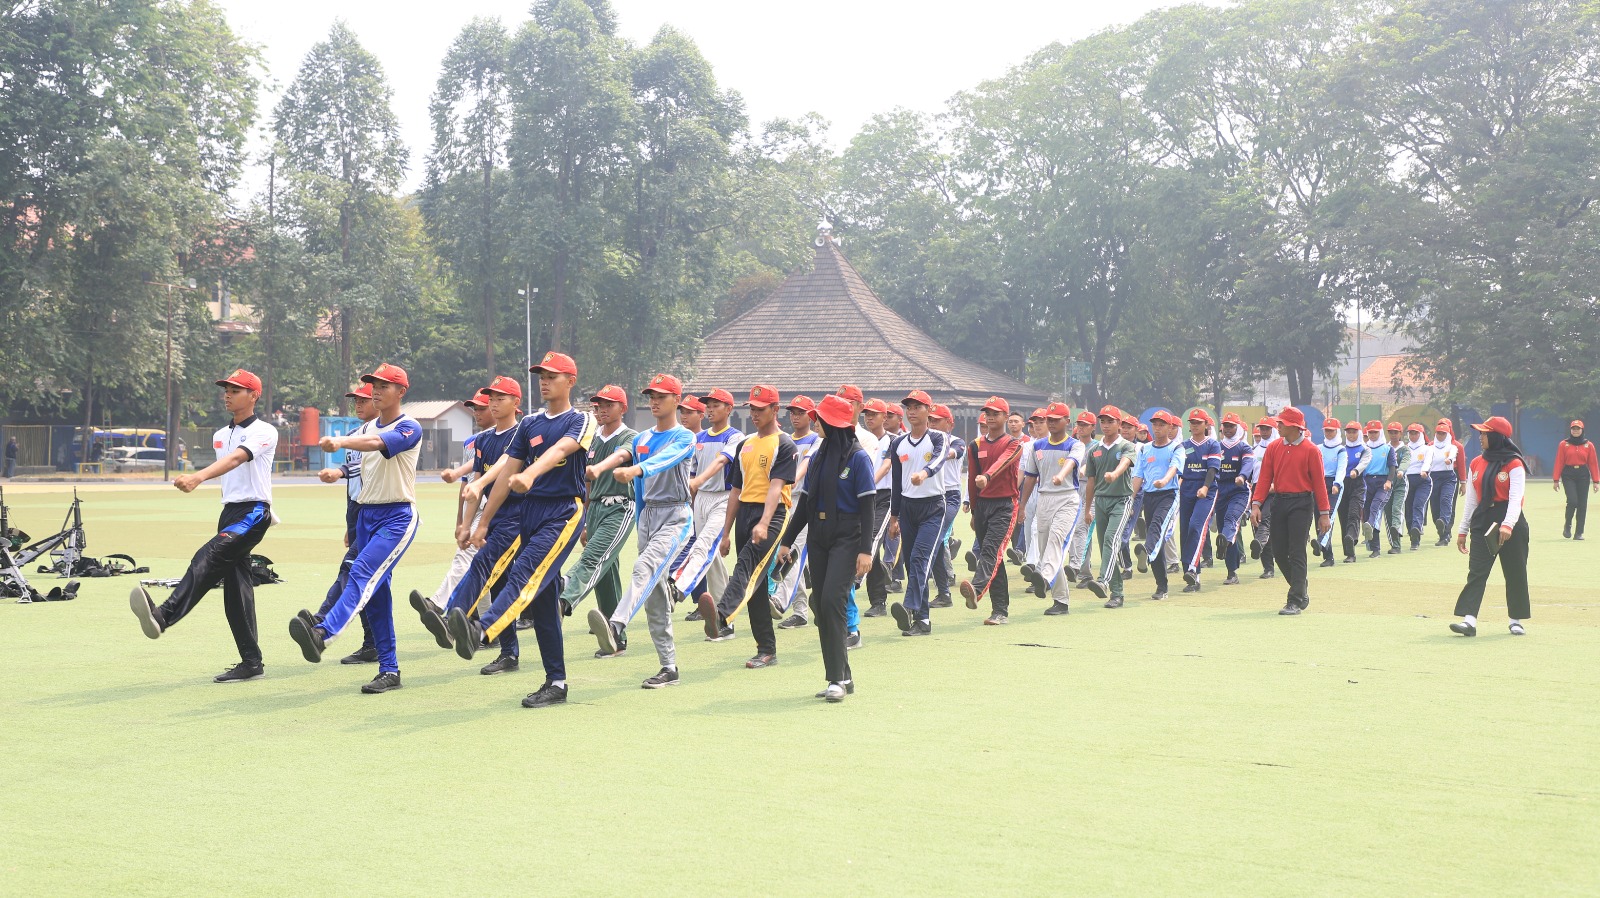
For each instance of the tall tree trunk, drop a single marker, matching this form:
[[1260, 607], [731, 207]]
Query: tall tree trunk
[[88, 413], [485, 265], [264, 308], [560, 299], [344, 310]]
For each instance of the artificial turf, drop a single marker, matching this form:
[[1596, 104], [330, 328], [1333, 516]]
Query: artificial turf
[[1199, 746]]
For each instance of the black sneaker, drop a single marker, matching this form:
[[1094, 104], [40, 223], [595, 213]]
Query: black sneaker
[[548, 694], [793, 622], [500, 665], [1098, 589], [1566, 531], [1255, 549], [1327, 562], [1349, 559], [1141, 557], [431, 619], [365, 655], [1127, 572], [902, 618], [1222, 546], [1462, 628], [1174, 567], [1014, 556], [710, 616], [523, 624], [760, 660], [1516, 629], [970, 594], [1192, 578], [897, 586], [848, 687], [1191, 587], [146, 611], [1316, 546], [465, 633], [852, 640], [996, 619], [1267, 574], [663, 678], [1289, 609], [1233, 580], [1416, 536], [1056, 608], [244, 670], [919, 628], [878, 610], [1114, 602], [1158, 596], [972, 561], [604, 632], [1443, 541], [693, 615], [942, 602], [383, 682], [1395, 550], [723, 635], [773, 607], [311, 639], [1375, 553]]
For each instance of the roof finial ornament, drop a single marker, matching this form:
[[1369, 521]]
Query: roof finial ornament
[[825, 233]]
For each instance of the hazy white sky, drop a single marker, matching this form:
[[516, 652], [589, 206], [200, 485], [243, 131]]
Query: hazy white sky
[[845, 60]]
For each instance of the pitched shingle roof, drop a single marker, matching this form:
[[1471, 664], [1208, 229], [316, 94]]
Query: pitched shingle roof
[[825, 327]]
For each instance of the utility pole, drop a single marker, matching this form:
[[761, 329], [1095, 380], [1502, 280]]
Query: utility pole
[[527, 293]]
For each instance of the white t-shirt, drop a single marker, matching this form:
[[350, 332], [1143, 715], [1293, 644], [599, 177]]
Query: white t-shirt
[[251, 481]]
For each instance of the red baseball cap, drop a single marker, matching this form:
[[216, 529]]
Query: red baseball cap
[[479, 399], [365, 392], [1374, 425], [1057, 410], [1395, 426], [664, 383], [1144, 430], [1292, 417], [1036, 415], [762, 395], [558, 362], [1418, 428], [1267, 421], [943, 411], [1444, 424], [874, 405], [998, 404], [1353, 424], [507, 385], [611, 393], [1166, 417], [852, 393], [388, 373], [1111, 411], [1231, 418], [1130, 420], [1086, 417], [803, 403], [895, 409], [919, 396], [242, 379], [720, 395], [1496, 424], [1202, 416], [835, 411], [693, 404], [1331, 424], [1576, 422]]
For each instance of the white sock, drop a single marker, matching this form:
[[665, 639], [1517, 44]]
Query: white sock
[[1515, 621], [560, 683], [1470, 620]]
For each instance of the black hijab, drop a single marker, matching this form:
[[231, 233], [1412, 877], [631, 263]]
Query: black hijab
[[1498, 451], [839, 445], [1578, 440]]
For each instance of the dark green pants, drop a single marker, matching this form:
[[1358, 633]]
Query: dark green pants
[[606, 525]]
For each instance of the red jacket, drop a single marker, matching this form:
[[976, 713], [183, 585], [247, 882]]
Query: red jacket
[[1292, 469], [984, 457], [1569, 455]]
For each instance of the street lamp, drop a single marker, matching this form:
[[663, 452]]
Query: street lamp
[[171, 437], [528, 293]]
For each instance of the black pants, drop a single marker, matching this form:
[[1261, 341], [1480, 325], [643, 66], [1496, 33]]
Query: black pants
[[1350, 517], [225, 560], [1575, 480], [1157, 505], [992, 523], [755, 559], [878, 575], [1292, 514], [831, 553], [1513, 557]]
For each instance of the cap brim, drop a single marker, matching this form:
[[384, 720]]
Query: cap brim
[[375, 379], [234, 383], [647, 391], [502, 393], [754, 404], [1481, 428], [539, 368]]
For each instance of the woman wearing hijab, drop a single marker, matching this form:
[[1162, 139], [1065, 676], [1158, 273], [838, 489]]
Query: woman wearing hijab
[[1494, 526], [835, 509], [1576, 469]]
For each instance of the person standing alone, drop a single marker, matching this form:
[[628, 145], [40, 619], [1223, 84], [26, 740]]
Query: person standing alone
[[1577, 471]]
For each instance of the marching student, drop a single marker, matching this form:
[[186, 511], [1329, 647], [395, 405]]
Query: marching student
[[917, 504], [953, 477], [1394, 513], [540, 466], [609, 515], [1378, 485], [498, 416], [385, 526], [1261, 533], [1052, 468], [893, 426], [245, 449], [1202, 458], [1443, 466], [757, 511], [1291, 474], [834, 507], [1078, 553], [1155, 478], [1109, 492], [1350, 508], [873, 438], [691, 411], [1493, 529], [1577, 470], [992, 484], [1130, 432], [1419, 485], [659, 480], [1024, 548], [1233, 494], [1335, 473], [350, 472], [791, 597], [701, 572]]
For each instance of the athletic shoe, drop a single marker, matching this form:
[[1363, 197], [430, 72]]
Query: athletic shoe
[[1174, 567], [848, 687], [1233, 580], [465, 632], [676, 594], [1416, 536], [877, 610], [432, 620], [1027, 570], [1098, 588], [897, 586], [1349, 559], [902, 618], [1191, 587], [1014, 556], [852, 640], [1267, 574], [1516, 629], [244, 670], [604, 632], [548, 694], [1056, 608], [384, 682], [1445, 541], [996, 620], [970, 594], [663, 678], [1114, 602], [1158, 596], [1394, 550], [1578, 537], [1082, 583], [145, 610], [1327, 562], [1463, 628], [693, 615], [1040, 588], [1316, 546], [972, 562], [363, 655], [309, 638], [1375, 553], [1289, 610], [709, 616], [759, 661], [794, 622], [523, 624], [1192, 578], [834, 693], [1566, 531], [1141, 557], [777, 612], [1367, 531], [1127, 572], [942, 602], [723, 635], [1255, 548], [919, 628], [500, 665], [955, 547], [1222, 546]]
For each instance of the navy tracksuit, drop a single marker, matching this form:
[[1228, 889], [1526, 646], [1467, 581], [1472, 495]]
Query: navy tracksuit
[[1233, 500], [1200, 465]]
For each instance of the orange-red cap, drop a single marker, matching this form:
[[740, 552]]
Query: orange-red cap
[[1231, 418], [507, 385], [1292, 417], [479, 399], [1086, 417], [1331, 424], [1496, 424], [664, 383], [388, 373], [999, 404], [1394, 427], [693, 404], [895, 409], [919, 396], [835, 411], [943, 411], [611, 393], [852, 393], [1057, 410], [558, 362], [1267, 421], [365, 392], [874, 405], [803, 403], [242, 379], [763, 395], [1166, 417], [1111, 411]]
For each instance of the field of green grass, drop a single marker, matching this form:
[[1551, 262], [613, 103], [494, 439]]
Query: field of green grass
[[1200, 746]]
